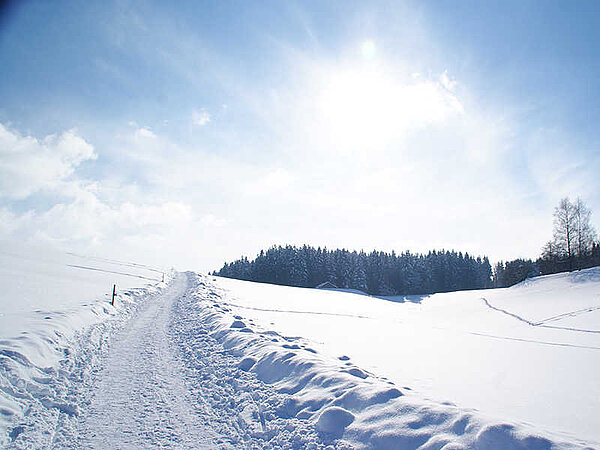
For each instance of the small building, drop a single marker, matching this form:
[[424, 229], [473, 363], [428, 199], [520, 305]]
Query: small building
[[326, 285]]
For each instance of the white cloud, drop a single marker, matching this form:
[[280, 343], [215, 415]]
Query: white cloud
[[29, 165], [447, 82], [89, 224], [97, 215], [212, 221], [144, 133], [357, 110], [201, 117]]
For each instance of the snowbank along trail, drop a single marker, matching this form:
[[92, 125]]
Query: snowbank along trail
[[348, 405], [158, 380]]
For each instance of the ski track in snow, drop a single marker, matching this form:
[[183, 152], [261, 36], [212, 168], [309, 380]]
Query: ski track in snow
[[76, 266], [291, 311], [542, 323]]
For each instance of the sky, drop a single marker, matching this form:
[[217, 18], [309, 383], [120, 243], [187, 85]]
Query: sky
[[190, 133]]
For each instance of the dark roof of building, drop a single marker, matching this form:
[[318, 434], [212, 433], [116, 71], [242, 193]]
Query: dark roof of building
[[326, 285]]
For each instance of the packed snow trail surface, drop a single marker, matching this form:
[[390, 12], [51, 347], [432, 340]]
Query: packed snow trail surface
[[141, 399], [159, 380]]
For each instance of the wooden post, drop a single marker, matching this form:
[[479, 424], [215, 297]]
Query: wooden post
[[163, 277], [114, 292]]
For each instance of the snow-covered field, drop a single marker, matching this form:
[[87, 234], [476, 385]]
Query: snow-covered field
[[47, 299], [527, 356], [206, 362]]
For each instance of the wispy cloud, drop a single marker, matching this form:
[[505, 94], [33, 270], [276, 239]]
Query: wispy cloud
[[144, 133], [201, 117]]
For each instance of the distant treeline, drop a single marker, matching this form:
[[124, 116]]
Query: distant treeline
[[513, 272], [377, 273], [573, 247]]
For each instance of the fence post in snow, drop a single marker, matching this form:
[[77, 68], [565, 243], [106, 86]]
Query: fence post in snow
[[114, 292]]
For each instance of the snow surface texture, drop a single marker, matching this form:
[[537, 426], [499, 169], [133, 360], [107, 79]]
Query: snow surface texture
[[55, 319], [213, 363], [156, 379], [520, 363]]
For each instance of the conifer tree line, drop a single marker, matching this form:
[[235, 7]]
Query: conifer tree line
[[573, 246], [377, 273]]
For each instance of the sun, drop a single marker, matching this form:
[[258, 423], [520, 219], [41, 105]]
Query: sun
[[368, 49]]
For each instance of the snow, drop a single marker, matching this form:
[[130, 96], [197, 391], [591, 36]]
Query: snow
[[148, 376], [206, 362], [48, 298], [525, 357], [334, 420]]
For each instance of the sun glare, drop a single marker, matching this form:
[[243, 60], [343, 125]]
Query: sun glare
[[368, 49], [356, 108], [365, 109]]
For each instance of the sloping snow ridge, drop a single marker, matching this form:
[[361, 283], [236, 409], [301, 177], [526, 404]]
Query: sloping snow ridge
[[351, 405]]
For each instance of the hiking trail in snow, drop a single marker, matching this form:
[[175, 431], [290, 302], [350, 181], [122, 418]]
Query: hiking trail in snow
[[141, 399], [160, 381], [179, 367]]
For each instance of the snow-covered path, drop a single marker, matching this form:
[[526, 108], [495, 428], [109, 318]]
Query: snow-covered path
[[141, 399], [162, 381], [187, 365]]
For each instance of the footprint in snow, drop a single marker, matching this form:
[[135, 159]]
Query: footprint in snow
[[291, 346], [355, 371], [237, 324], [246, 364]]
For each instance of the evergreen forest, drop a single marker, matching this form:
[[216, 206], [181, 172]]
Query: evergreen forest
[[376, 273]]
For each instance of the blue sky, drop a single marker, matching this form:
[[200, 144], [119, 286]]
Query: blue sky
[[190, 133]]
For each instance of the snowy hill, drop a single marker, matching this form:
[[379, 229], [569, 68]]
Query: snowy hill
[[209, 362], [526, 356]]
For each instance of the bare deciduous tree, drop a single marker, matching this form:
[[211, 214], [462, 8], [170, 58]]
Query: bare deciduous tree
[[573, 235], [585, 233], [564, 228]]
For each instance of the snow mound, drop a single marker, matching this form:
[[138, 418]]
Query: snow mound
[[347, 405], [334, 420]]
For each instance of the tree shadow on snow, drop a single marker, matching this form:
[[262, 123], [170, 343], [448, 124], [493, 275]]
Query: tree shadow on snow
[[404, 298]]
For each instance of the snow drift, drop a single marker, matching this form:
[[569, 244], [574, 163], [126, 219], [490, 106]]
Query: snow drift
[[354, 403]]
